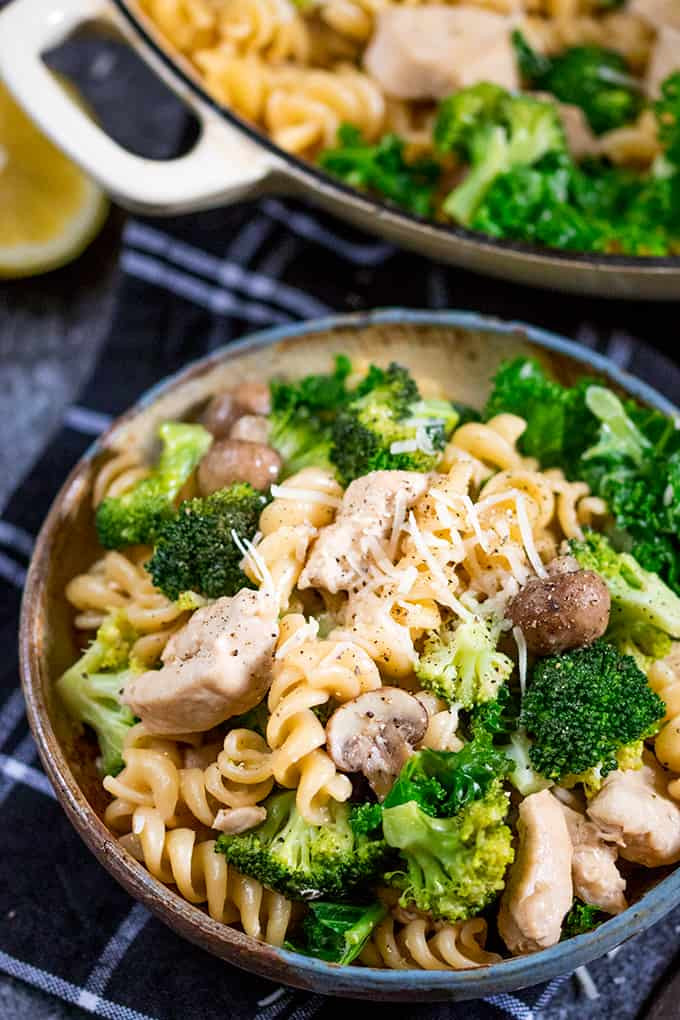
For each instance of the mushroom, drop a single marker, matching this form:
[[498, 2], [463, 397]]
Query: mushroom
[[251, 428], [566, 610], [234, 460], [241, 819], [375, 734]]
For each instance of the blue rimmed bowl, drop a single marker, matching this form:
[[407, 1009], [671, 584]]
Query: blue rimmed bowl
[[461, 351]]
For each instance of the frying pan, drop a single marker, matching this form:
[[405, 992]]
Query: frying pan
[[232, 160]]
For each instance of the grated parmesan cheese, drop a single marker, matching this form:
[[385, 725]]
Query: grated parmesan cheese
[[522, 657], [305, 495], [445, 596], [400, 505], [258, 566]]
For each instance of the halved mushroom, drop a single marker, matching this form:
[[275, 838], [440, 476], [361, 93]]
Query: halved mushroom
[[375, 734]]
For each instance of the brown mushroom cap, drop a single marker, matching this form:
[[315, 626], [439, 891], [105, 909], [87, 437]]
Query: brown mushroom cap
[[566, 610], [375, 734]]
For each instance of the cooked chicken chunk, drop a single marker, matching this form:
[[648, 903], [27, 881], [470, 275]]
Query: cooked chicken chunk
[[657, 12], [429, 52], [217, 666], [593, 868], [665, 58], [539, 891], [633, 808], [341, 555]]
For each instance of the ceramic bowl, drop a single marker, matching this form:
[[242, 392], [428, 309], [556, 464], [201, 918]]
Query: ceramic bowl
[[460, 350]]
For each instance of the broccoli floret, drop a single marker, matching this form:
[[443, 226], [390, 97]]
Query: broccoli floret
[[387, 426], [452, 867], [365, 819], [460, 663], [640, 599], [523, 776], [337, 932], [382, 168], [90, 689], [581, 918], [495, 132], [592, 77], [582, 707], [303, 861], [301, 416], [138, 515], [196, 550]]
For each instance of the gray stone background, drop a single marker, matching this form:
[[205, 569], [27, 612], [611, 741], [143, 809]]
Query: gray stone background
[[50, 332]]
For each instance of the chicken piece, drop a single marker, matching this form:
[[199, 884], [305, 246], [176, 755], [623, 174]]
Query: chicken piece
[[581, 141], [593, 868], [429, 52], [633, 808], [341, 555], [658, 13], [539, 891], [665, 59], [219, 665]]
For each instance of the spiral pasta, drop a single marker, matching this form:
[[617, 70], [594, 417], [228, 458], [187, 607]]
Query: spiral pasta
[[452, 947], [302, 504], [664, 678], [120, 582], [307, 674]]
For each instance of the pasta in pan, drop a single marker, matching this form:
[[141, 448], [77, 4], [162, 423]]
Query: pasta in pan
[[338, 708], [377, 93]]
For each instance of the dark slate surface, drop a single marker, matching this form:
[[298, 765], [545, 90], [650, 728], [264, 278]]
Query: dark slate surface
[[50, 333]]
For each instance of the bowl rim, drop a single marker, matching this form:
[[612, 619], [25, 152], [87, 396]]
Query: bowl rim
[[654, 264], [193, 923]]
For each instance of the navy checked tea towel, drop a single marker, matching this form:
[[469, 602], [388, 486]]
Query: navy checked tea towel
[[187, 287]]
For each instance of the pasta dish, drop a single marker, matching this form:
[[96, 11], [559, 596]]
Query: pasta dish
[[386, 679], [553, 122]]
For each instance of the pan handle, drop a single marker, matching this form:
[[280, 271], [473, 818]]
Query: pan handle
[[223, 166]]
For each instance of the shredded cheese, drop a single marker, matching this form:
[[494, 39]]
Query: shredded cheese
[[258, 566], [520, 641], [305, 495], [424, 441], [444, 596], [400, 506], [527, 536], [307, 632]]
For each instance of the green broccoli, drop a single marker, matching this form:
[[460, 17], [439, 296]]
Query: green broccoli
[[452, 867], [667, 110], [303, 861], [196, 551], [301, 416], [581, 918], [523, 776], [592, 77], [138, 515], [90, 689], [337, 932], [382, 169], [640, 599], [365, 818], [495, 132], [387, 426], [583, 708], [460, 663]]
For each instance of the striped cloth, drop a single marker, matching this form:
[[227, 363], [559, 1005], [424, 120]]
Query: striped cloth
[[186, 288]]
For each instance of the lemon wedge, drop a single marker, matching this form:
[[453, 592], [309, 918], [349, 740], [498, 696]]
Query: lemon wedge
[[49, 209]]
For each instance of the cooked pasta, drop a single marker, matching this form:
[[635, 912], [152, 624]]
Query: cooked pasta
[[308, 699], [302, 71]]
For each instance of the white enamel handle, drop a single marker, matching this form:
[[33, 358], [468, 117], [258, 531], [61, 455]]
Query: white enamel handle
[[223, 167]]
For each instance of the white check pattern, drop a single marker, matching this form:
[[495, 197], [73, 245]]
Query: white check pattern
[[226, 287]]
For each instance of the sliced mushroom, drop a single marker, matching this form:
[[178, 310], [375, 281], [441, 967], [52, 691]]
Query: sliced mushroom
[[241, 819], [375, 734], [233, 460], [566, 610]]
